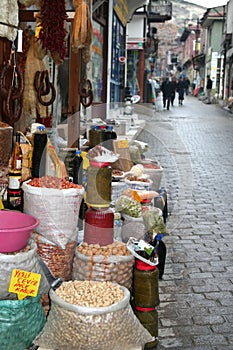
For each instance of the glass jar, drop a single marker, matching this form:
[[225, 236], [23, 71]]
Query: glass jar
[[96, 135], [99, 184], [145, 285], [99, 226]]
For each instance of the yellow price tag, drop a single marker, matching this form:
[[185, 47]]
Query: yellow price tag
[[24, 283], [1, 204], [122, 144]]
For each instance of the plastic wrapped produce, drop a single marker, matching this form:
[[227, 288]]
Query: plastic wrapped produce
[[73, 327], [129, 206], [154, 221]]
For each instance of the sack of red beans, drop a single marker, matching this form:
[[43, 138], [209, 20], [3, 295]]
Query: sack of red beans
[[56, 203]]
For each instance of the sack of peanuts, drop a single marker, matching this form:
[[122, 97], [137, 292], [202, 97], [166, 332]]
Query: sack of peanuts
[[56, 203], [88, 315], [109, 263], [26, 259], [59, 261]]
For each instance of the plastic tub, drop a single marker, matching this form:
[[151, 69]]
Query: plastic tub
[[15, 230]]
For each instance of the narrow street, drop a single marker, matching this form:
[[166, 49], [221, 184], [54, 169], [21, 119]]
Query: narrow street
[[194, 144]]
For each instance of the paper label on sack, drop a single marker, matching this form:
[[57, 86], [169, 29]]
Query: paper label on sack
[[122, 144], [24, 283]]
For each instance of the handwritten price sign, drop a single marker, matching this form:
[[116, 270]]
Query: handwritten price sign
[[24, 283]]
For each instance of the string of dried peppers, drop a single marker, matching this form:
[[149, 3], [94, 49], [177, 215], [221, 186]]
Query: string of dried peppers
[[52, 30]]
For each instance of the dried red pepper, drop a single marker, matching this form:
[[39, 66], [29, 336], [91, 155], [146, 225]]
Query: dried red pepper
[[52, 34]]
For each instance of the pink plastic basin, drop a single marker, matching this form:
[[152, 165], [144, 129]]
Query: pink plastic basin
[[15, 230]]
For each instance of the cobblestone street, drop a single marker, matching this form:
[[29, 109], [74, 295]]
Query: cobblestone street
[[194, 144]]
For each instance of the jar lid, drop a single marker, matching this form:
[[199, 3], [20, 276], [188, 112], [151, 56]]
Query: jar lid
[[99, 164], [141, 265]]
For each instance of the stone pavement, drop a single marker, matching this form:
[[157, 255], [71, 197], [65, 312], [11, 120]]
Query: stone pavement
[[194, 144]]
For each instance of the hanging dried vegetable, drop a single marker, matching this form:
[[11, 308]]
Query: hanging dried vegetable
[[11, 89], [44, 87], [82, 26], [51, 28], [34, 63]]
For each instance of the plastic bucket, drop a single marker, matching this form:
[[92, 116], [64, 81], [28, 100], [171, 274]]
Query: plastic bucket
[[15, 230]]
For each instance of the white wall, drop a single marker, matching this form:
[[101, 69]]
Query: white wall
[[134, 29], [230, 17]]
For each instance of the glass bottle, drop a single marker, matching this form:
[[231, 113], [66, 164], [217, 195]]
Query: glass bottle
[[77, 171], [39, 152], [14, 191], [17, 154]]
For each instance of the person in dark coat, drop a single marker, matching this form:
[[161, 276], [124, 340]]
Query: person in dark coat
[[180, 89], [173, 93], [209, 88], [166, 89]]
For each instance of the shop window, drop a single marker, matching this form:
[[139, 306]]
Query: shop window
[[117, 69], [97, 62]]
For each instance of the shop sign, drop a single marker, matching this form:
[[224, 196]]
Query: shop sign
[[122, 11], [122, 59], [135, 46]]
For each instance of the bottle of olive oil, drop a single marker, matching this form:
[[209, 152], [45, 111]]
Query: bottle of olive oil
[[14, 191]]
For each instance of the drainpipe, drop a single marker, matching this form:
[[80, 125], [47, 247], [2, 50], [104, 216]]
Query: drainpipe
[[109, 64], [224, 57]]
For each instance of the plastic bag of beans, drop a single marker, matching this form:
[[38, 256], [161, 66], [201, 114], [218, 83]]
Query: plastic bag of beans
[[73, 327]]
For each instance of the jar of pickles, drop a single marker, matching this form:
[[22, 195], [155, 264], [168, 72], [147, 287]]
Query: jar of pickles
[[99, 184], [96, 135]]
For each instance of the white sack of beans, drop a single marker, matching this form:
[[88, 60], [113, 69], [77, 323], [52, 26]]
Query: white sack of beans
[[57, 211], [73, 327], [25, 259], [114, 268]]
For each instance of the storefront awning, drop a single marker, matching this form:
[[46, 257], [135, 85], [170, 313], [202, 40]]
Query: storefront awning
[[133, 5]]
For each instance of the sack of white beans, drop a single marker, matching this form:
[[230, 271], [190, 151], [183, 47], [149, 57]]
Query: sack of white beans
[[88, 315]]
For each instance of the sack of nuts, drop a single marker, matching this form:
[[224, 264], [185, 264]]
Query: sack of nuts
[[109, 263], [88, 315], [59, 261], [56, 203]]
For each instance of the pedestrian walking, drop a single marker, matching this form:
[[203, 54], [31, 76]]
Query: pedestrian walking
[[173, 90], [180, 89], [166, 89], [155, 89], [208, 89], [186, 85]]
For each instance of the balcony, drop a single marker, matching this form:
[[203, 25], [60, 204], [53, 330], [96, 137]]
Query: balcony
[[159, 11]]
